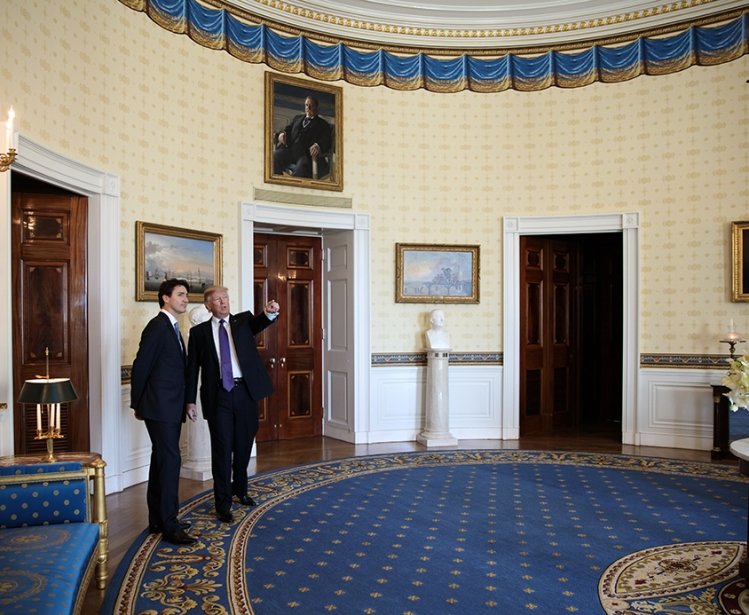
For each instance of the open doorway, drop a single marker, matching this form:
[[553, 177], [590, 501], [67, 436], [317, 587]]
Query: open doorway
[[570, 334], [625, 226]]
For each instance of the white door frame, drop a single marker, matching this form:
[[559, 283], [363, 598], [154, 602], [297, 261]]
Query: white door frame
[[628, 225], [103, 294], [288, 219]]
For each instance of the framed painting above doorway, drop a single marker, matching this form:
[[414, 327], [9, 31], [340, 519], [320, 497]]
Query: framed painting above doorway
[[301, 115]]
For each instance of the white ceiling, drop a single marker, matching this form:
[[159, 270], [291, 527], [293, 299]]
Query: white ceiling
[[475, 24]]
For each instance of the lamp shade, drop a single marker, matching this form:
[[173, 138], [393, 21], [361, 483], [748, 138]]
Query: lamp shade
[[42, 391]]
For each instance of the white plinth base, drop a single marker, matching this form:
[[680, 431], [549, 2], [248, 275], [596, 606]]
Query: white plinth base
[[197, 471], [429, 440]]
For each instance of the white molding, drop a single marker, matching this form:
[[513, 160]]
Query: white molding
[[456, 25], [399, 397], [292, 219], [675, 408], [514, 227], [103, 192]]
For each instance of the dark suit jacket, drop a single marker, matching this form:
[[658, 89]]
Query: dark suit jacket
[[202, 355], [157, 381], [300, 139]]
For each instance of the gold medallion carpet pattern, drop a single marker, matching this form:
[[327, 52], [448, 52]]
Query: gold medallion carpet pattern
[[482, 531]]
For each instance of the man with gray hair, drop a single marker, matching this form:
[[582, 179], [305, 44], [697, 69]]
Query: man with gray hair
[[223, 352]]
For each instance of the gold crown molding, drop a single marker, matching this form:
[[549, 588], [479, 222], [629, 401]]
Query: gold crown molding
[[380, 27], [611, 40]]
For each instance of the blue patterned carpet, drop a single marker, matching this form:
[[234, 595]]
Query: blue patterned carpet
[[457, 532]]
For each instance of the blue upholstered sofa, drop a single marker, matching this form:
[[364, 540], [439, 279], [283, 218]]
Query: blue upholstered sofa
[[53, 535]]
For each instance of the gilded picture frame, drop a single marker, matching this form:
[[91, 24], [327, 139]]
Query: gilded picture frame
[[285, 100], [163, 252], [740, 260], [436, 273]]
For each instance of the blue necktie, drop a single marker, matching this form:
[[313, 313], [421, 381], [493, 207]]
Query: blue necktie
[[179, 337], [227, 376]]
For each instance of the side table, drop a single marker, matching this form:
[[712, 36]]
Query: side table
[[740, 448]]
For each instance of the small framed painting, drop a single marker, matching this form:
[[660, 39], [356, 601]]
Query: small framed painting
[[436, 273], [740, 269], [164, 252]]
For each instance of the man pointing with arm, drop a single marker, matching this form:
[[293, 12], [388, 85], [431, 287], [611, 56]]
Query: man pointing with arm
[[223, 352]]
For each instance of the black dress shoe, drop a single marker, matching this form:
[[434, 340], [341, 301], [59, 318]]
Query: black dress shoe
[[246, 500], [157, 529], [226, 517], [180, 537]]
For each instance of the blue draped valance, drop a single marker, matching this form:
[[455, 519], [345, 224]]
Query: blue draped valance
[[220, 28]]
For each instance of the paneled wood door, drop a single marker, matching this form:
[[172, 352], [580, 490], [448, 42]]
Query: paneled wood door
[[49, 245], [289, 269], [548, 374]]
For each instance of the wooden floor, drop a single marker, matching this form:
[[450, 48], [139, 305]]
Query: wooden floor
[[128, 516]]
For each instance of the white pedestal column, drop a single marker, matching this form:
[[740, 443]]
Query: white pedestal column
[[437, 431], [197, 462]]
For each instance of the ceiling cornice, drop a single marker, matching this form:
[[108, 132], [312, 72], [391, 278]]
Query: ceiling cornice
[[479, 24]]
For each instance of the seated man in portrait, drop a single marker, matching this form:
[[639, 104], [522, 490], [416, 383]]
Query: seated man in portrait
[[302, 145]]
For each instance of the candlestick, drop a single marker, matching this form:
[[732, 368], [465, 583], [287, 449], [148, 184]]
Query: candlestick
[[9, 129]]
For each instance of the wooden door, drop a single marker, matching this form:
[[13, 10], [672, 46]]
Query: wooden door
[[548, 374], [48, 256], [288, 269]]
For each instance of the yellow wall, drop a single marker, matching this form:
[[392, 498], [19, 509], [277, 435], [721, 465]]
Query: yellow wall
[[182, 126]]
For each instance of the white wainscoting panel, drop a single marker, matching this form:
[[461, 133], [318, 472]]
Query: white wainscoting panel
[[398, 397], [675, 408], [134, 447]]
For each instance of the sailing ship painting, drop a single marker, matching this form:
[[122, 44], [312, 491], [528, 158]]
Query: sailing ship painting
[[168, 252]]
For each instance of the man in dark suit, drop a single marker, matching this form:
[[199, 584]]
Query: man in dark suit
[[157, 394], [302, 144], [223, 352]]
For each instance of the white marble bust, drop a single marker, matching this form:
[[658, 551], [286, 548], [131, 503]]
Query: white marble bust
[[437, 337], [199, 314]]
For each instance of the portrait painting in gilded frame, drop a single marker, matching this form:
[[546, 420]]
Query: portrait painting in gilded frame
[[303, 128], [740, 258]]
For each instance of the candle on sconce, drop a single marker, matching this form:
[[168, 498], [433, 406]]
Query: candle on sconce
[[732, 335], [9, 129], [57, 417], [38, 418]]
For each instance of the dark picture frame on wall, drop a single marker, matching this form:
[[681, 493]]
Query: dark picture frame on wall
[[436, 273], [740, 254], [163, 252], [286, 158]]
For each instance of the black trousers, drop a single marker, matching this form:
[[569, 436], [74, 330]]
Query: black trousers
[[162, 494], [233, 428]]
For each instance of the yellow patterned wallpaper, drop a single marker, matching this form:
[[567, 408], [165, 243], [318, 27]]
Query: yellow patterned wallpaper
[[182, 126]]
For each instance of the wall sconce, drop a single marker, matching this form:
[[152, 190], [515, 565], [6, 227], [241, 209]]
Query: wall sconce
[[732, 338], [7, 159], [48, 393]]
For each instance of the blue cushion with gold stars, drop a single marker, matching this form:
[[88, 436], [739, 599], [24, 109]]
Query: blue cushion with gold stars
[[42, 568], [41, 502]]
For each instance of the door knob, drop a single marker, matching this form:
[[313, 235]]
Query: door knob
[[272, 362], [283, 361]]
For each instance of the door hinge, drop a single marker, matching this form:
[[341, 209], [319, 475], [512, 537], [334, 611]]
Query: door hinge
[[323, 333]]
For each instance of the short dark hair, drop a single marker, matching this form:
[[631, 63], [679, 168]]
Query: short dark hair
[[167, 286], [313, 98]]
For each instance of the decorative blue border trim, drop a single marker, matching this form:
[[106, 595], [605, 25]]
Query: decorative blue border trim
[[709, 361], [239, 33], [384, 359], [420, 358]]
